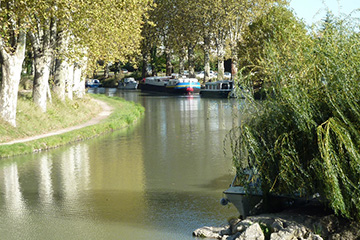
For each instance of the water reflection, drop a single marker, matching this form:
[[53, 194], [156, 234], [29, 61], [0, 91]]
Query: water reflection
[[14, 201], [159, 179], [45, 182]]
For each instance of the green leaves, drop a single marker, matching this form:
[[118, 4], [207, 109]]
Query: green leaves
[[306, 137]]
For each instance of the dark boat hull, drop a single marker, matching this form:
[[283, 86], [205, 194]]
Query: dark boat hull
[[215, 94]]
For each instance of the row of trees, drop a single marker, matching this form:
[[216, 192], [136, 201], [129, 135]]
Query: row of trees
[[72, 33], [177, 27]]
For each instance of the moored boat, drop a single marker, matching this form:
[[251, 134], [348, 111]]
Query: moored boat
[[128, 84], [92, 83], [218, 89], [170, 85], [249, 199], [183, 85]]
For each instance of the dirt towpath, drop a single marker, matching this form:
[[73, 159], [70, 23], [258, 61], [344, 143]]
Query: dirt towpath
[[106, 111]]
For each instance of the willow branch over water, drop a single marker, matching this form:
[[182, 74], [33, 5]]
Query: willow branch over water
[[305, 138]]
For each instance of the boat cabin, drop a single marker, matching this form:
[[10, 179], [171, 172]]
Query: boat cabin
[[219, 85]]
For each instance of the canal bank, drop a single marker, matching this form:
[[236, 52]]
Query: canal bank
[[308, 223], [115, 113]]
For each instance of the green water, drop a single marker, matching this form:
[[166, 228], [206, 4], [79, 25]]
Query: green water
[[159, 179]]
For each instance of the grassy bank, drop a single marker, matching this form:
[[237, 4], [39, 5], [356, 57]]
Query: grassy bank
[[61, 115]]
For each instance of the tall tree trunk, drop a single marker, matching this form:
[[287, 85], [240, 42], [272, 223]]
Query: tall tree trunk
[[106, 70], [61, 68], [79, 77], [168, 61], [191, 58], [11, 74], [145, 64], [42, 40], [60, 76], [79, 81], [41, 79], [69, 84], [153, 55], [220, 55], [206, 58], [234, 60], [182, 61]]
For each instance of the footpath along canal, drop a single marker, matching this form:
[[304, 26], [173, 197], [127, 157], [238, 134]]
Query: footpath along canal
[[161, 178]]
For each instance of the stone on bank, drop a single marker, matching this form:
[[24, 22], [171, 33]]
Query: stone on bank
[[259, 227]]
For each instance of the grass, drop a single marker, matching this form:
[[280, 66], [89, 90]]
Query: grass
[[61, 115]]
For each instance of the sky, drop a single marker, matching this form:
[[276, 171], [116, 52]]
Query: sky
[[313, 11]]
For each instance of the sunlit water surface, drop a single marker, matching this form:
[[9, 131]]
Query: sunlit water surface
[[161, 178]]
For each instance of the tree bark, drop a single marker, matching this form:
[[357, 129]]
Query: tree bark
[[182, 61], [42, 41], [206, 59], [145, 64], [11, 74], [70, 82], [41, 79], [61, 68], [61, 71], [191, 58], [168, 61], [79, 77], [106, 70], [220, 54], [234, 60], [79, 81]]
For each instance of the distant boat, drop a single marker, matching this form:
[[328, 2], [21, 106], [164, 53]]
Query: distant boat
[[218, 89], [171, 85], [128, 84], [92, 83]]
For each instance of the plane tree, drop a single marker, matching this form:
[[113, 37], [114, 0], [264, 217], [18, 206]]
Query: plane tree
[[13, 18], [78, 31]]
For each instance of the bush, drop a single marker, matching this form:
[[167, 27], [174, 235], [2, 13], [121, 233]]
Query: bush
[[305, 137]]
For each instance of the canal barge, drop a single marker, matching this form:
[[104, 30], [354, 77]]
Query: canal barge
[[218, 89], [170, 85], [128, 84]]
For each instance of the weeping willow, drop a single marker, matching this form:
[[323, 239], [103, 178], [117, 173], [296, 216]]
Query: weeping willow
[[304, 137]]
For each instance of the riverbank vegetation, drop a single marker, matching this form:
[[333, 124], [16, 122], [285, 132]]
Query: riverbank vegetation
[[60, 115], [304, 137]]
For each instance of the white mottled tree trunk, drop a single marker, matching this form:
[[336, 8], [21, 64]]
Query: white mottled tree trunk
[[61, 68], [43, 39], [11, 74], [41, 79], [220, 56], [182, 56], [69, 82], [79, 77], [206, 59], [191, 59]]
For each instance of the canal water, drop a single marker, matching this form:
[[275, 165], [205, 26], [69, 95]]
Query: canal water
[[161, 178]]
